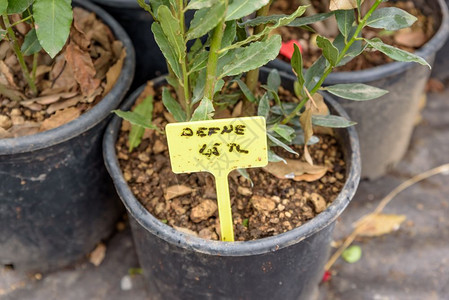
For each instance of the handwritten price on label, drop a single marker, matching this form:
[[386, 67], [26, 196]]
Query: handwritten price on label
[[218, 147]]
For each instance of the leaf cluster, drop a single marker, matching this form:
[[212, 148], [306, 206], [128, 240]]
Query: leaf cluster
[[222, 48]]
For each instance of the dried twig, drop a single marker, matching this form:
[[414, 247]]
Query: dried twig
[[366, 218]]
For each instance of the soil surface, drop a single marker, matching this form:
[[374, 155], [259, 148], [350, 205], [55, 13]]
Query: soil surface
[[68, 85], [408, 39], [188, 201]]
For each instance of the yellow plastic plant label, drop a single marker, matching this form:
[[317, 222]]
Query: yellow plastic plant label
[[218, 147]]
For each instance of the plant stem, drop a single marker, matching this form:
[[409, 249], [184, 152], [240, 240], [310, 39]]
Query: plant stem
[[33, 70], [185, 75], [211, 69], [330, 67], [252, 77], [19, 55], [21, 21]]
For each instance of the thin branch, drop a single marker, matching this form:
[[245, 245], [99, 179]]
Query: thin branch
[[387, 199]]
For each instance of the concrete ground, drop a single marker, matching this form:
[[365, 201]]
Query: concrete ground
[[411, 263]]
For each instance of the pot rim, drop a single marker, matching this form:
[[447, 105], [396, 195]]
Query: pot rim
[[91, 117], [392, 68], [118, 3], [260, 246]]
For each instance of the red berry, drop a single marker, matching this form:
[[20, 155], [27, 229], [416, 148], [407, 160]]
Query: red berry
[[326, 276]]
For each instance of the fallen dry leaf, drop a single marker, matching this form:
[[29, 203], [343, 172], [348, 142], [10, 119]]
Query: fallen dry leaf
[[176, 191], [83, 68], [378, 224], [306, 123], [342, 4], [6, 71], [59, 118], [63, 104], [237, 111], [97, 256], [408, 37], [296, 169], [114, 72]]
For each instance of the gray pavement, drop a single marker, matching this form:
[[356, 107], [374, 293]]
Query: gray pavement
[[411, 263]]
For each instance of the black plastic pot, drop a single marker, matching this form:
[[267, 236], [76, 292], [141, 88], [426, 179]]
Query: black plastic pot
[[385, 125], [441, 66], [56, 199], [181, 266], [137, 23]]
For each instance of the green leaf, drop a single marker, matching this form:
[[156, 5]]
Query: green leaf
[[204, 111], [284, 131], [241, 8], [299, 22], [145, 6], [352, 254], [277, 142], [166, 49], [313, 74], [3, 7], [356, 48], [199, 4], [356, 91], [254, 56], [198, 90], [218, 86], [145, 109], [229, 34], [311, 19], [264, 106], [395, 53], [331, 121], [205, 20], [172, 30], [53, 20], [390, 18], [173, 106], [2, 34], [153, 5], [199, 62], [299, 139], [17, 6], [274, 80], [330, 52], [246, 91], [245, 174], [345, 19], [268, 29], [134, 119], [297, 65], [273, 157], [31, 43]]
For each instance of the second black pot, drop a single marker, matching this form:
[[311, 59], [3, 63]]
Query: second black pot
[[181, 266], [137, 23], [56, 199], [385, 125]]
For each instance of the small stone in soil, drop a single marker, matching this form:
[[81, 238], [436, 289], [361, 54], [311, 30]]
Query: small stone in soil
[[318, 202], [262, 204], [203, 211]]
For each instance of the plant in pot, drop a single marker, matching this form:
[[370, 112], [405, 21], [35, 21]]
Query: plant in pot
[[282, 215], [385, 126], [60, 76]]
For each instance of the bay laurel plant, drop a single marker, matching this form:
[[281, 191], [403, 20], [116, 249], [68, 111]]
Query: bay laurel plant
[[50, 27], [222, 46]]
